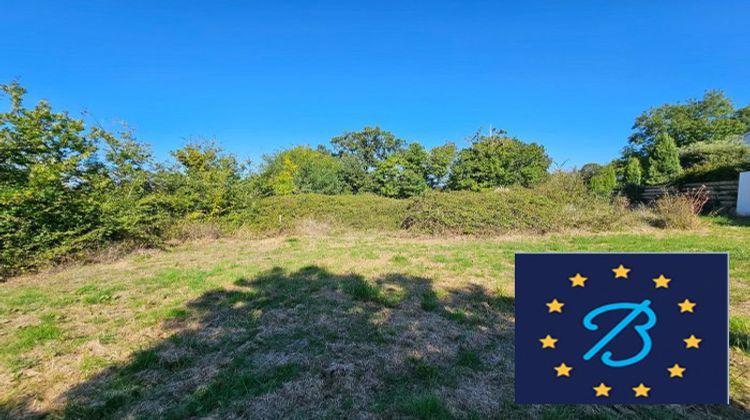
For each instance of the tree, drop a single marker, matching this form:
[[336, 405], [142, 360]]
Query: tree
[[439, 163], [633, 172], [355, 174], [65, 187], [302, 170], [361, 151], [498, 160], [710, 119], [603, 181], [207, 181], [46, 180], [743, 114], [371, 145], [588, 170], [663, 160], [397, 177]]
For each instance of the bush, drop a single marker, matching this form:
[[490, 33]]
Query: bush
[[726, 153], [633, 173], [69, 189], [561, 203], [663, 160], [680, 211], [714, 162], [285, 213], [603, 181]]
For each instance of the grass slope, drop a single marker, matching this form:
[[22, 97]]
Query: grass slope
[[308, 326]]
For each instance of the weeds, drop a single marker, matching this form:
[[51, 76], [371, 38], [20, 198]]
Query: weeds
[[681, 211]]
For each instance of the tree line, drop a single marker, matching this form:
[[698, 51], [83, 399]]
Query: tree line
[[67, 186], [697, 140]]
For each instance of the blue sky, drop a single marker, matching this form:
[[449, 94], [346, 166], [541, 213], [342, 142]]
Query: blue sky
[[261, 76]]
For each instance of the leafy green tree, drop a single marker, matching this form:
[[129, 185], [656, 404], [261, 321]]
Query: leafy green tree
[[302, 170], [355, 174], [397, 177], [633, 174], [207, 181], [439, 163], [663, 160], [743, 114], [498, 160], [710, 119], [603, 181], [723, 161], [371, 145], [588, 170], [130, 207], [66, 187], [361, 151], [45, 180], [403, 174]]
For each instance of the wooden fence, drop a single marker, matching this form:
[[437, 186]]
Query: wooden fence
[[722, 194]]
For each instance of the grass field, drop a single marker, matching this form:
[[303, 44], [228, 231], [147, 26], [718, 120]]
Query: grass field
[[320, 325]]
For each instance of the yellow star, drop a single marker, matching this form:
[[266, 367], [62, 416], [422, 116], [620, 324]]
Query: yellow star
[[662, 281], [692, 342], [686, 306], [578, 280], [641, 390], [621, 271], [548, 342], [602, 390], [676, 370], [555, 306], [563, 370]]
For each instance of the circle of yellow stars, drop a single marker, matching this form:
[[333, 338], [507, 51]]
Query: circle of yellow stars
[[603, 390]]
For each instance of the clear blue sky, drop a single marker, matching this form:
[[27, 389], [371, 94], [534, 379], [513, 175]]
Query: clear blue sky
[[261, 76]]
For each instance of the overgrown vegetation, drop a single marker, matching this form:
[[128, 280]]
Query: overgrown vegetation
[[561, 203]]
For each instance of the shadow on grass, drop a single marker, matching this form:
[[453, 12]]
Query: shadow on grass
[[316, 344], [732, 221]]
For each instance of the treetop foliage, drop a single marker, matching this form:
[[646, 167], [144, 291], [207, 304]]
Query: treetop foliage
[[497, 160], [710, 119], [694, 127]]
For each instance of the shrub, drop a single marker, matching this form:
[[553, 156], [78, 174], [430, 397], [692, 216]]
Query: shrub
[[726, 153], [69, 189], [663, 160], [604, 181], [680, 211], [285, 213], [633, 174], [561, 203], [714, 161]]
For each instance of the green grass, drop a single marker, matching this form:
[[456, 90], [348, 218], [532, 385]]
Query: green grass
[[33, 335], [468, 358], [739, 332], [319, 325], [425, 406]]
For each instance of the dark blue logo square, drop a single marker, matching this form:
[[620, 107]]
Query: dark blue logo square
[[622, 328]]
